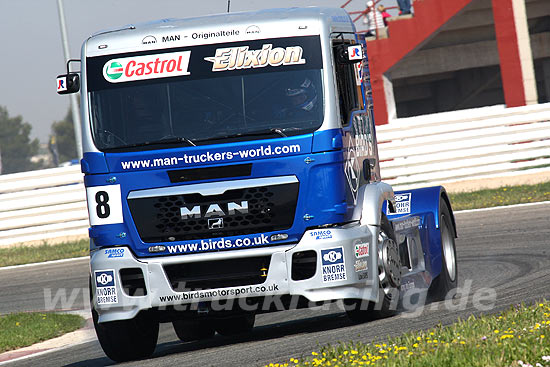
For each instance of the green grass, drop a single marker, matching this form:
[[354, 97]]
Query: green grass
[[23, 329], [32, 254], [507, 195], [519, 334]]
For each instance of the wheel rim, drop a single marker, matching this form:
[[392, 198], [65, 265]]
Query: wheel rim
[[389, 272], [448, 244]]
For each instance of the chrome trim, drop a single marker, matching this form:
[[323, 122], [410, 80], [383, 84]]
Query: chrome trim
[[212, 188]]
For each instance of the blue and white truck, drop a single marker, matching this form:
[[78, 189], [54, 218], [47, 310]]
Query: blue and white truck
[[231, 169]]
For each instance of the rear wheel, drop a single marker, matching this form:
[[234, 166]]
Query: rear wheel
[[127, 340], [235, 325], [389, 275], [447, 279], [191, 330]]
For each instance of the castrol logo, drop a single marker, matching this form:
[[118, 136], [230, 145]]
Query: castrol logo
[[361, 250], [129, 69]]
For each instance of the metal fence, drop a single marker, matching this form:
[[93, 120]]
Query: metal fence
[[468, 144], [50, 205]]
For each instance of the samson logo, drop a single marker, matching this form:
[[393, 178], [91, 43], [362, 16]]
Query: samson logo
[[235, 58], [214, 210], [147, 67]]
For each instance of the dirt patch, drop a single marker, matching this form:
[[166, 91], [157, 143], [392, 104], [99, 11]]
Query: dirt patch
[[515, 179]]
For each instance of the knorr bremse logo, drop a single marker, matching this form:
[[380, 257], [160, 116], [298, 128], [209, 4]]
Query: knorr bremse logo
[[113, 70]]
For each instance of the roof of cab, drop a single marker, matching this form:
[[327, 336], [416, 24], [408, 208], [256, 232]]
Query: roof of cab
[[131, 36]]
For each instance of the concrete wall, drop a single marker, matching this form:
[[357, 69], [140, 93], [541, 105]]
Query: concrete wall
[[460, 67]]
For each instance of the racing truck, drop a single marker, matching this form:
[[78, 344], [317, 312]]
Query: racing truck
[[231, 169]]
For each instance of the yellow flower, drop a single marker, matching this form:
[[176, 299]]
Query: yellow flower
[[496, 331]]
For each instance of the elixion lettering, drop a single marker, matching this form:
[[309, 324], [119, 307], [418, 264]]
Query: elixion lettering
[[214, 210], [234, 58]]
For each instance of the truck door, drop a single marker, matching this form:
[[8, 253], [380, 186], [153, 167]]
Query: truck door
[[360, 154]]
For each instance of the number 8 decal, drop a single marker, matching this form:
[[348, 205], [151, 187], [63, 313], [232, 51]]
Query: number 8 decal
[[104, 204], [102, 209]]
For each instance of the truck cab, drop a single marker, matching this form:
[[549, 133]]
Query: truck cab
[[231, 168]]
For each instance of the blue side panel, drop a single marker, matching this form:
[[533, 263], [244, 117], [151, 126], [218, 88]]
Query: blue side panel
[[424, 203]]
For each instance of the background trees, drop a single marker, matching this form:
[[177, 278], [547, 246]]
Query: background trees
[[62, 139], [16, 147]]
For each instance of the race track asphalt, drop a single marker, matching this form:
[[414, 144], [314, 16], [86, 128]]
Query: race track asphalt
[[505, 250]]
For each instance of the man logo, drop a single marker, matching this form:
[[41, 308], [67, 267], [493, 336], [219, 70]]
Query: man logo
[[214, 210], [215, 223], [149, 40], [253, 29]]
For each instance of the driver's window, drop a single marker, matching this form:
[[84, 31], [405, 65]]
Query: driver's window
[[346, 83]]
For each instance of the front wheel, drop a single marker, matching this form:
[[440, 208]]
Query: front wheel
[[127, 340], [192, 329], [389, 275], [447, 279]]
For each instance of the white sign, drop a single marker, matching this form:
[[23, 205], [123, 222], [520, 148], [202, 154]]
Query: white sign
[[104, 204], [154, 66]]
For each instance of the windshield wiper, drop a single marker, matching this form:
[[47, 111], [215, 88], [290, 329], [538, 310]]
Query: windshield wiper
[[174, 140], [277, 131]]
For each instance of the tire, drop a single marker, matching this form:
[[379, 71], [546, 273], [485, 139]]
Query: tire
[[191, 330], [447, 279], [127, 340], [389, 273], [235, 325]]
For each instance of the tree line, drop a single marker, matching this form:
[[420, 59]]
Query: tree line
[[17, 149]]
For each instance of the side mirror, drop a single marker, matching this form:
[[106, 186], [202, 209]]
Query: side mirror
[[368, 166], [349, 54], [70, 82]]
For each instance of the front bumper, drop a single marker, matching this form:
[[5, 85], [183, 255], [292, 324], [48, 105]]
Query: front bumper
[[346, 267]]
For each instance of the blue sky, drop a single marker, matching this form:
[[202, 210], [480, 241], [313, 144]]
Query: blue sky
[[32, 54]]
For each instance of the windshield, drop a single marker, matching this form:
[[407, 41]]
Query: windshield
[[205, 107]]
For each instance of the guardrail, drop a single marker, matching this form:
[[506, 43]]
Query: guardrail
[[463, 145], [50, 205], [46, 205]]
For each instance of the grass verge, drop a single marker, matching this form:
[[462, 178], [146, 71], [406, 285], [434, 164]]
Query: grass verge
[[507, 195], [517, 337], [19, 330], [32, 254]]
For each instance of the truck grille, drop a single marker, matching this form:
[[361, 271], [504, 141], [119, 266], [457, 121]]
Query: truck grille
[[269, 208]]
